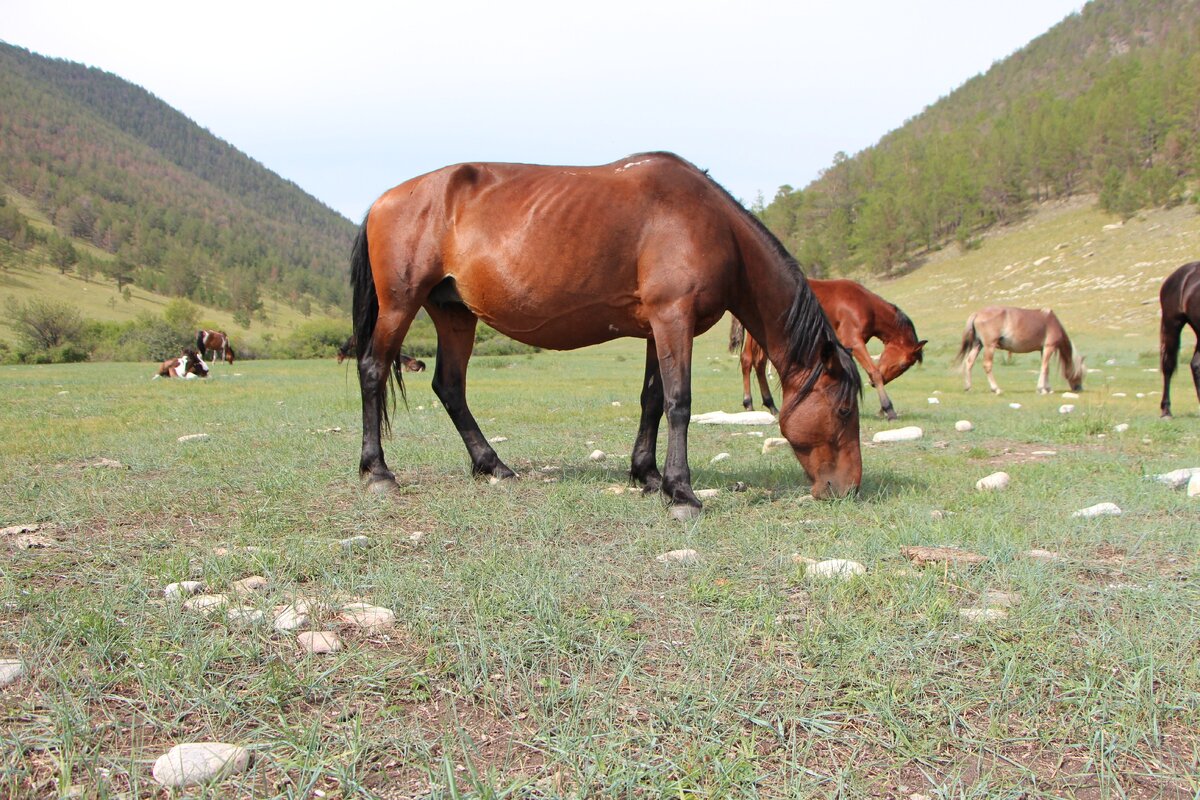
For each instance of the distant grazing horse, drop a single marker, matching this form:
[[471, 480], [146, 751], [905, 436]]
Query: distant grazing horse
[[189, 364], [215, 344], [1180, 299], [407, 363], [1019, 330], [565, 257], [857, 315]]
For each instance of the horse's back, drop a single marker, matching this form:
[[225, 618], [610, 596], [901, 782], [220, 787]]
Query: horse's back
[[1180, 293]]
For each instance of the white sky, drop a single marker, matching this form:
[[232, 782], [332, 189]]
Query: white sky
[[348, 99]]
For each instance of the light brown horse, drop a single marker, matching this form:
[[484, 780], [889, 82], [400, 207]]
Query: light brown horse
[[215, 344], [1180, 300], [857, 315], [565, 257], [1019, 330]]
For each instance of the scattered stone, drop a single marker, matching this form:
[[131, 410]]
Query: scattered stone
[[615, 489], [739, 486], [982, 614], [13, 530], [359, 542], [616, 403], [319, 642], [1119, 394], [495, 481], [1177, 478], [678, 557], [1112, 362], [1193, 487], [290, 618], [328, 430], [250, 585], [1041, 555], [706, 494], [244, 617], [416, 536], [938, 513], [1044, 453], [772, 442], [933, 401], [920, 555], [996, 482], [11, 670], [199, 762], [834, 568], [719, 457], [908, 434], [498, 439], [1014, 405], [183, 589], [368, 617], [206, 603], [192, 437], [597, 455], [1099, 510], [963, 426], [106, 463], [1070, 396], [1066, 408], [994, 598], [740, 418], [31, 541]]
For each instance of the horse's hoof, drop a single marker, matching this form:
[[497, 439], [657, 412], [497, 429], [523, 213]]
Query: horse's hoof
[[892, 416], [685, 513], [382, 485]]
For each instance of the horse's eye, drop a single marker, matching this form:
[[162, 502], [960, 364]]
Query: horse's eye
[[844, 412]]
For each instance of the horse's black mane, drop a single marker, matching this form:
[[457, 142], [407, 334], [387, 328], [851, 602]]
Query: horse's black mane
[[903, 321], [807, 328]]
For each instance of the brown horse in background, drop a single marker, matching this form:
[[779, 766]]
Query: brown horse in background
[[565, 257], [215, 344], [857, 315], [1019, 330], [1180, 300], [407, 363]]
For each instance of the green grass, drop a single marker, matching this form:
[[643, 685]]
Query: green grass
[[541, 650]]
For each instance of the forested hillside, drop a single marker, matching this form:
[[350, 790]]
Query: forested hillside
[[179, 211], [1107, 102]]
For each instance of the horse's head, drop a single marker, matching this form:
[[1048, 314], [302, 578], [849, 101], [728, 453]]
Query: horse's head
[[1075, 373], [820, 421], [194, 364], [898, 356]]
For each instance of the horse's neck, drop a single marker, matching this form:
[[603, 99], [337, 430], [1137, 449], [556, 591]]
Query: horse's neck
[[767, 289]]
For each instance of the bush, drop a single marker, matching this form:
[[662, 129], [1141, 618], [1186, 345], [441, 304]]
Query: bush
[[45, 329], [315, 339]]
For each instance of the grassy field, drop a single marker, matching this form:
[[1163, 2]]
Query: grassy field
[[540, 649]]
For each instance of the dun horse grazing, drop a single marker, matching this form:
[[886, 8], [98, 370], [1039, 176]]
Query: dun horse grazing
[[189, 364], [1019, 330], [565, 257], [407, 363], [857, 315], [1180, 299], [214, 344]]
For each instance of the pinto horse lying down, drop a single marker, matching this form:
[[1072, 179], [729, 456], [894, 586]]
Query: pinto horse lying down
[[189, 364], [563, 257]]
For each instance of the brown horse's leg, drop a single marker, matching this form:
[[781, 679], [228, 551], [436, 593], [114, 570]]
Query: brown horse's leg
[[374, 366], [1043, 384], [1195, 364], [989, 352], [747, 364], [859, 350], [764, 386], [1168, 355], [456, 339], [673, 337], [642, 463], [968, 365]]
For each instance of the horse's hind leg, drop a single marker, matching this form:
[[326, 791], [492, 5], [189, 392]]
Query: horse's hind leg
[[989, 353], [968, 365], [765, 387], [374, 364], [642, 463], [1168, 357], [456, 339]]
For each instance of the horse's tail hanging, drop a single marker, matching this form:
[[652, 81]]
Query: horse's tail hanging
[[969, 340], [365, 309], [737, 336]]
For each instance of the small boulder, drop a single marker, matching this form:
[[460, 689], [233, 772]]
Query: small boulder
[[920, 555], [1070, 396], [685, 557], [243, 617], [350, 543], [250, 585], [182, 589], [1121, 427], [707, 494], [964, 426], [319, 642], [1193, 487], [1177, 478], [994, 598], [206, 603], [1066, 408], [933, 401], [368, 617], [290, 618], [1099, 510], [834, 569], [196, 763], [719, 457], [1014, 405], [908, 434], [996, 482], [192, 437], [11, 670], [597, 455], [771, 442], [1041, 555]]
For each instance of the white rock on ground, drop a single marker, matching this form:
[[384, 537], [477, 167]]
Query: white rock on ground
[[195, 763], [243, 617], [996, 482], [192, 437], [250, 585], [319, 642], [597, 455], [908, 434], [933, 401], [498, 439], [290, 618], [205, 603], [706, 494], [678, 557], [1014, 405], [368, 617], [13, 530], [359, 542], [995, 598], [1099, 510], [834, 568], [1193, 488], [1041, 555], [719, 457], [1121, 427], [772, 442], [1070, 396], [183, 589], [982, 614], [740, 418], [1066, 408], [964, 425], [11, 670], [1177, 477]]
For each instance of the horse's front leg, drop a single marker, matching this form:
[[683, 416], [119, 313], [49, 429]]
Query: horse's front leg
[[859, 350], [747, 364], [673, 335], [1195, 364], [1168, 358], [1043, 384], [643, 466], [456, 339]]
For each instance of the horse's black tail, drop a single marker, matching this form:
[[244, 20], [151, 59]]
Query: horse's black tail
[[737, 336], [365, 309], [969, 340], [200, 341]]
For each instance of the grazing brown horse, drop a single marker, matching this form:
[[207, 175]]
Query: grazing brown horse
[[1019, 330], [214, 344], [189, 364], [565, 257], [857, 315], [407, 363], [1180, 300]]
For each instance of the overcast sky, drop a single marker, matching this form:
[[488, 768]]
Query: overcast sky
[[348, 99]]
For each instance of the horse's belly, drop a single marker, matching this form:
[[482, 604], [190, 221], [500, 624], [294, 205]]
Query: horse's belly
[[565, 328]]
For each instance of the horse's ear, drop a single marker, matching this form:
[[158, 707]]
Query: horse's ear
[[921, 344]]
